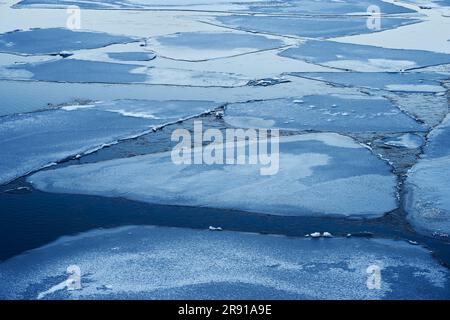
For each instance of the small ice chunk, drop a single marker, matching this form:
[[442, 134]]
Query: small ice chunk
[[407, 140]]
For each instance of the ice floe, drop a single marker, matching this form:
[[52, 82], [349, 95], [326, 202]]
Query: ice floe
[[427, 199], [310, 27], [391, 81], [363, 58], [322, 7], [333, 113], [34, 140], [198, 46], [55, 41], [312, 168], [262, 6], [74, 70], [420, 36], [170, 263]]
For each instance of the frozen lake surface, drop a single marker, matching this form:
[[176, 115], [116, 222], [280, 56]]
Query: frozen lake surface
[[360, 183]]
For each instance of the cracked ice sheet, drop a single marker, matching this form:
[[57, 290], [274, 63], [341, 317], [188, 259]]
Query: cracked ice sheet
[[34, 140], [41, 93], [356, 183], [363, 58], [55, 40], [249, 65], [226, 265], [198, 46], [391, 81], [292, 7], [429, 108], [333, 113], [427, 199], [74, 70], [311, 27], [425, 35]]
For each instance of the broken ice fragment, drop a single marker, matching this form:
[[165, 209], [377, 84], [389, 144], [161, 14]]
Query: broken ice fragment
[[56, 40], [200, 46], [427, 199], [227, 265], [85, 71], [392, 81], [349, 114], [311, 27], [407, 140], [363, 58], [310, 166], [31, 141]]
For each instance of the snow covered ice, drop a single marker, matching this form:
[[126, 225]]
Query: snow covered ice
[[106, 72], [227, 265], [323, 112], [310, 165], [197, 46], [407, 140], [427, 198], [363, 58]]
